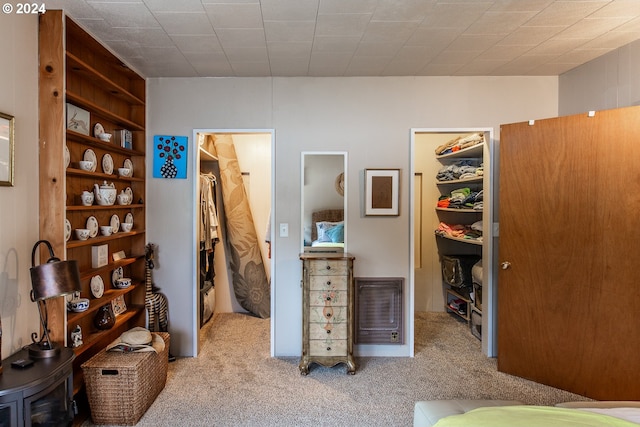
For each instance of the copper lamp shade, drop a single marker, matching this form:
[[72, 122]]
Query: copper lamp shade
[[53, 279]]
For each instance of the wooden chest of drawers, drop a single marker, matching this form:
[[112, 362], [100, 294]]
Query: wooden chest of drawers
[[327, 311]]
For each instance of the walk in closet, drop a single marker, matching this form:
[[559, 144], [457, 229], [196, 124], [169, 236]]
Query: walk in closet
[[228, 162], [453, 227]]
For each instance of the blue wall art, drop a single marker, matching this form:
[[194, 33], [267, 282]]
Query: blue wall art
[[170, 156]]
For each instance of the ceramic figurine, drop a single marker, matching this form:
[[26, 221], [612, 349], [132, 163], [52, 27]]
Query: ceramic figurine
[[76, 337]]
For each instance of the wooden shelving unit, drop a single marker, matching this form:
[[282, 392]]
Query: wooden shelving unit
[[76, 69]]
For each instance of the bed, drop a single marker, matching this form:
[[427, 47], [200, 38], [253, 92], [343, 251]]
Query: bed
[[499, 413], [327, 230]]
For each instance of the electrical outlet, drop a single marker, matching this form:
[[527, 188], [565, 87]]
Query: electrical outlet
[[284, 229]]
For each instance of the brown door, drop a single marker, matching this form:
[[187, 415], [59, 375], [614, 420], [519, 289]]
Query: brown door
[[569, 297]]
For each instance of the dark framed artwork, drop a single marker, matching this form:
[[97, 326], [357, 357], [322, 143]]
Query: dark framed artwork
[[382, 192], [7, 125]]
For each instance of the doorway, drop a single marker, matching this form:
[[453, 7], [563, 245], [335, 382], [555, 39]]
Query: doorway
[[426, 249], [254, 150]]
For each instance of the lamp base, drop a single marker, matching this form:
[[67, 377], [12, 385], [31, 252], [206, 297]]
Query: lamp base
[[38, 351]]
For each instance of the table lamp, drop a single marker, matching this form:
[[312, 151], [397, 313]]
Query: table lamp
[[53, 279]]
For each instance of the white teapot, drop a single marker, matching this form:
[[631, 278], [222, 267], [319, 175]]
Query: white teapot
[[123, 198], [105, 193]]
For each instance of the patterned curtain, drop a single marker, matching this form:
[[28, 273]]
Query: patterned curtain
[[250, 282]]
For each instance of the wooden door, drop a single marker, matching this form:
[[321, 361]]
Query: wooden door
[[568, 311]]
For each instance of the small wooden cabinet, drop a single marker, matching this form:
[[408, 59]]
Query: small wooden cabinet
[[76, 69], [327, 310]]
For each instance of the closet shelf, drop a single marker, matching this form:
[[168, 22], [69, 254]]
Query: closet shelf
[[460, 210], [460, 239], [205, 155], [474, 151], [474, 180]]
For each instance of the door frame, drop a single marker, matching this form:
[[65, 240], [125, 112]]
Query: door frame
[[490, 235], [195, 279]]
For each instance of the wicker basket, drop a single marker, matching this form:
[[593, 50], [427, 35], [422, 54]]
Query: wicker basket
[[122, 386]]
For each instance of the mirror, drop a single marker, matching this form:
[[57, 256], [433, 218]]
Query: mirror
[[324, 201]]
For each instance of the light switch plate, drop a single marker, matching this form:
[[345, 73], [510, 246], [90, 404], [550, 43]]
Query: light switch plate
[[284, 229]]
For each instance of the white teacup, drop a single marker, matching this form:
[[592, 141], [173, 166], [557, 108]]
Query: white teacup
[[86, 165], [106, 230], [87, 198], [82, 233], [106, 137], [124, 171], [126, 226]]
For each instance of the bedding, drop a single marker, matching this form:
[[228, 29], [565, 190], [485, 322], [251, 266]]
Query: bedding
[[327, 228], [538, 416]]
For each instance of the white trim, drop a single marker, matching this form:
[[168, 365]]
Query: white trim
[[489, 312], [196, 168]]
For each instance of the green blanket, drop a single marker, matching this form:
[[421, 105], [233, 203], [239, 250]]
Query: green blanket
[[531, 416]]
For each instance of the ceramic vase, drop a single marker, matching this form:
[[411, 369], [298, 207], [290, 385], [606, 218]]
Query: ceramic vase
[[104, 318]]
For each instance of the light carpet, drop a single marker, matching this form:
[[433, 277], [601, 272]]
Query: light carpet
[[235, 382]]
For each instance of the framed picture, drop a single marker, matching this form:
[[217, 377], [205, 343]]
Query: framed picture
[[170, 156], [78, 120], [118, 305], [382, 191], [7, 125]]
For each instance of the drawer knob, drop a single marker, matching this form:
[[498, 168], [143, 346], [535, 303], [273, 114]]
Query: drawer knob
[[328, 267], [328, 298], [328, 315], [328, 331], [328, 348], [328, 282]]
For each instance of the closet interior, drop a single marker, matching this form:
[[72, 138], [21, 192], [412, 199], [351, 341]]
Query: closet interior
[[453, 227]]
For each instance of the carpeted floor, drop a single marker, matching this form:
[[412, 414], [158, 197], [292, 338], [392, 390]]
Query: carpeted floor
[[234, 381]]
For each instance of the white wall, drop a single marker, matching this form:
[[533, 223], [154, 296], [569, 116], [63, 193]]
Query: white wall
[[370, 117], [19, 204], [610, 81]]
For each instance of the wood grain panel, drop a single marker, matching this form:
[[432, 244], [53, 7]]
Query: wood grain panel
[[569, 194], [51, 151]]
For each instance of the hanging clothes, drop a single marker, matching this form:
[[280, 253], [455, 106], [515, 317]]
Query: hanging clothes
[[208, 228]]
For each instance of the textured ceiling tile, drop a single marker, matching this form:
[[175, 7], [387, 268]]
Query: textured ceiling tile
[[611, 40], [174, 6], [350, 6], [519, 5], [454, 15], [290, 67], [378, 49], [439, 70], [293, 50], [617, 8], [244, 15], [335, 44], [499, 23], [283, 31], [399, 67], [125, 14], [246, 37], [388, 32], [286, 10], [503, 53], [530, 36], [353, 24], [473, 42], [417, 53], [432, 37], [184, 23], [411, 10], [591, 28], [197, 43], [146, 37], [565, 13], [246, 55], [555, 46], [367, 66], [250, 69]]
